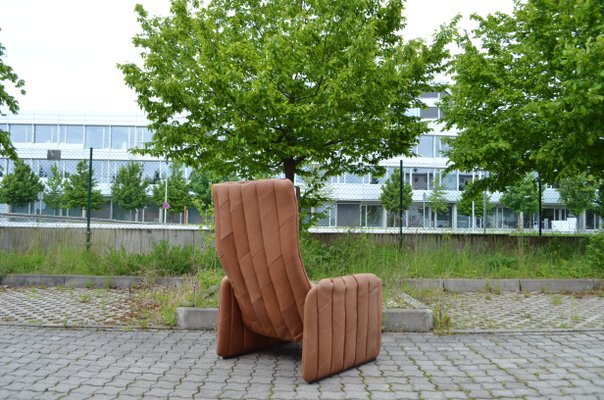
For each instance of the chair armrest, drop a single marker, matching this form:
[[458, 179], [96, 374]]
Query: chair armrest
[[342, 325]]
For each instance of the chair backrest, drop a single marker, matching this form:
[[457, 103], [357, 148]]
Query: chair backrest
[[257, 240]]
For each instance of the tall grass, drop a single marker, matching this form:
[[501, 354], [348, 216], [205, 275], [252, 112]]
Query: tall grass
[[349, 254], [360, 253]]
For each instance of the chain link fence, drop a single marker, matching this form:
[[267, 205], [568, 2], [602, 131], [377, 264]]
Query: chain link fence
[[435, 200], [440, 201]]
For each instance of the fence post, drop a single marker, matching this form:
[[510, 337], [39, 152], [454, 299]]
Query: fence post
[[400, 205], [88, 233]]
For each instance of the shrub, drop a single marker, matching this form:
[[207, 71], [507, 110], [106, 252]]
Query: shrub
[[595, 252]]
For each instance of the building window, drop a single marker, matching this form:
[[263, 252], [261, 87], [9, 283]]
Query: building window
[[421, 178], [72, 134], [97, 137], [119, 137], [371, 215], [329, 218], [441, 146], [429, 113], [449, 181], [429, 95], [425, 147], [464, 179], [349, 214], [21, 133], [146, 134], [45, 134]]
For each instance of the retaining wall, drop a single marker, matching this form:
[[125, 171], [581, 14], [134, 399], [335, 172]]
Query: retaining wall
[[143, 239]]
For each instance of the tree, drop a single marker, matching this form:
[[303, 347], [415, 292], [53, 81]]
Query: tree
[[471, 203], [390, 196], [274, 87], [529, 92], [129, 190], [522, 197], [55, 189], [436, 200], [21, 187], [178, 191], [200, 183], [6, 100], [578, 193], [76, 190]]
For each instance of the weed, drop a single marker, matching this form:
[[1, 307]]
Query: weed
[[89, 284], [556, 300], [84, 298]]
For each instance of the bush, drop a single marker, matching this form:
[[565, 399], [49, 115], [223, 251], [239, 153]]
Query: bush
[[594, 252]]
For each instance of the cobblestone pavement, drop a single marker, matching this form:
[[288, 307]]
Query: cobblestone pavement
[[65, 306], [519, 311], [465, 311], [53, 363]]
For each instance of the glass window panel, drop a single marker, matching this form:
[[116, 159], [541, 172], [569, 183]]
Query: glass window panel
[[419, 179], [95, 135], [412, 112], [449, 181], [147, 135], [352, 178], [429, 95], [119, 137], [69, 167], [2, 166], [151, 171], [349, 214], [72, 134], [21, 133], [441, 146], [44, 168], [329, 218], [371, 215], [464, 179], [45, 134], [429, 113], [425, 147]]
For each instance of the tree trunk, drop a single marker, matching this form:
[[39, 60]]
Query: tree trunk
[[289, 168]]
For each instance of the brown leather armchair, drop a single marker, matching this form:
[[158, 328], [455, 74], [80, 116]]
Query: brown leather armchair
[[266, 297]]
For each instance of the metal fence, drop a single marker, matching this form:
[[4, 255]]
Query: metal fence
[[437, 200]]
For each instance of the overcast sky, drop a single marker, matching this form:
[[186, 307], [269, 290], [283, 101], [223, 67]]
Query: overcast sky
[[67, 50]]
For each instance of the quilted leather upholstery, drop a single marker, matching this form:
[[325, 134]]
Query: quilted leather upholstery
[[267, 297]]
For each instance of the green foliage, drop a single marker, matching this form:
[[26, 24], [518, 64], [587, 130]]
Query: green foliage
[[578, 192], [178, 191], [469, 196], [529, 92], [599, 201], [7, 75], [129, 190], [390, 196], [76, 189], [523, 196], [21, 187], [200, 183], [263, 88], [594, 252], [436, 200], [54, 191]]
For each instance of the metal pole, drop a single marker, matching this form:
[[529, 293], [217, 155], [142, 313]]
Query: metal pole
[[89, 201], [166, 196], [400, 206], [484, 212], [540, 205]]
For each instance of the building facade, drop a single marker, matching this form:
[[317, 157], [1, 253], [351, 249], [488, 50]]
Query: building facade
[[355, 198]]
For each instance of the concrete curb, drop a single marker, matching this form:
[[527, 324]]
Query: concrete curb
[[451, 285], [393, 320], [507, 285], [86, 281]]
